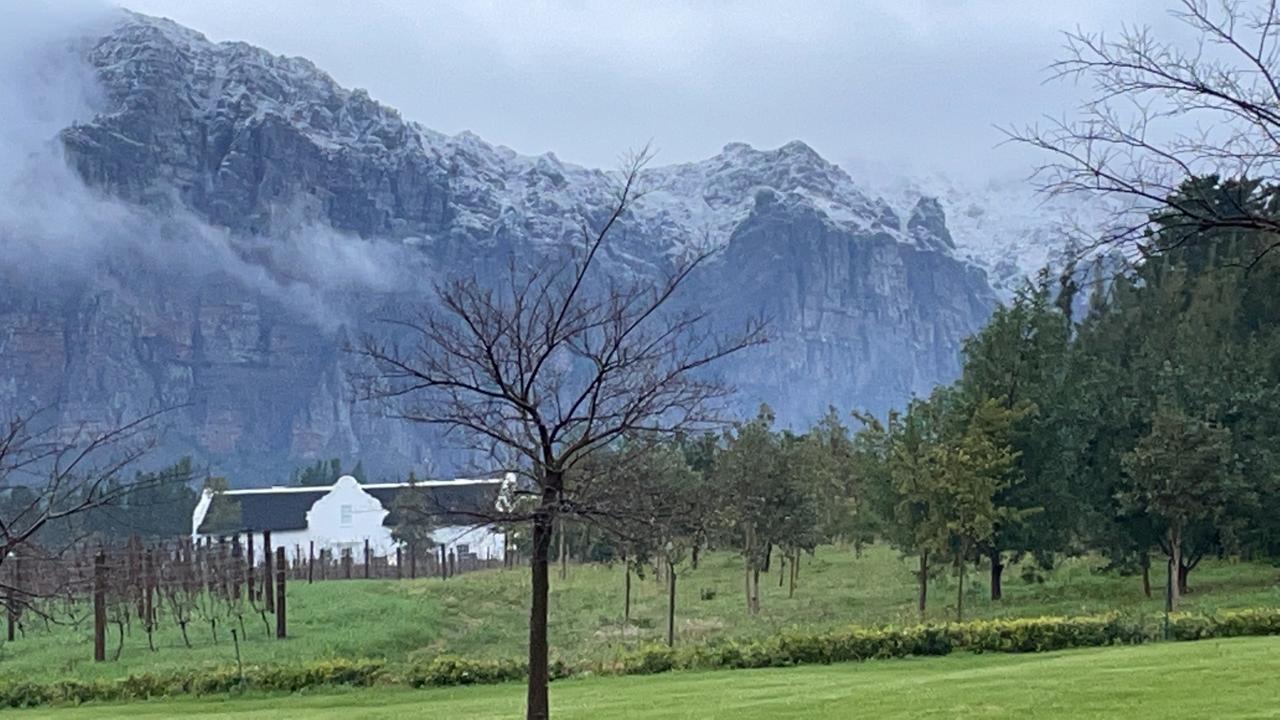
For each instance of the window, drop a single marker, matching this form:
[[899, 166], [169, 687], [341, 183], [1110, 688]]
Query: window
[[344, 515]]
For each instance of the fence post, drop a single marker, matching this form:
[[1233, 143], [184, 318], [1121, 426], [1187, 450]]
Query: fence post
[[453, 564], [280, 580], [270, 597], [399, 567], [311, 562], [346, 563], [99, 607], [444, 564], [366, 558], [413, 560]]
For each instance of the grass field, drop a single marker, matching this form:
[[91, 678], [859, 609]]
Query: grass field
[[484, 614], [1210, 679]]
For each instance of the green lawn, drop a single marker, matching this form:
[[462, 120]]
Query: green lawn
[[485, 614], [1238, 678]]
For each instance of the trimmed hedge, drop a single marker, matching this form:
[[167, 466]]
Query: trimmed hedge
[[788, 648], [286, 678]]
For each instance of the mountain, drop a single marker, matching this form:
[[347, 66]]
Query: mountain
[[252, 216], [1004, 225]]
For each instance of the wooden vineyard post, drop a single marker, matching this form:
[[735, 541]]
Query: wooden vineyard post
[[149, 594], [311, 562], [100, 608], [444, 564], [280, 581], [236, 571], [346, 563], [399, 567], [268, 596], [413, 561], [366, 558], [253, 568]]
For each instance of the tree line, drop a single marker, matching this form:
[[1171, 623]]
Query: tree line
[[1129, 415]]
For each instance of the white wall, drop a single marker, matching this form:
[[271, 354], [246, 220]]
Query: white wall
[[346, 516]]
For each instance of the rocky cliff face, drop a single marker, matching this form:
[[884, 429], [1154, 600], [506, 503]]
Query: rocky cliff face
[[335, 210]]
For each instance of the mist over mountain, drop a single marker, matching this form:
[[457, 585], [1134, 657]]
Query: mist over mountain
[[209, 225]]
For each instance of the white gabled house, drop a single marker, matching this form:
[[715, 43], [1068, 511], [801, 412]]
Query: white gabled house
[[346, 514]]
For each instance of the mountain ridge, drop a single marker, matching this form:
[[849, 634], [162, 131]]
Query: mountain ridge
[[304, 184]]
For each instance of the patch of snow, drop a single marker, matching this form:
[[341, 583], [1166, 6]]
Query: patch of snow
[[687, 207]]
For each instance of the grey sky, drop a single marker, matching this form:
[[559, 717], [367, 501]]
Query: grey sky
[[912, 84]]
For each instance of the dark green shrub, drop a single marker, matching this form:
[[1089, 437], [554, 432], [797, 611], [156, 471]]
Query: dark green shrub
[[792, 647], [445, 671], [649, 660]]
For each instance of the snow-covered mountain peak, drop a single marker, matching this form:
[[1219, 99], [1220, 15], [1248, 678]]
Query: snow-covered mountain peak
[[494, 191], [1004, 226], [711, 196]]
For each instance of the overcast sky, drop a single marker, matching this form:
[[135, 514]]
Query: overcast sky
[[916, 85]]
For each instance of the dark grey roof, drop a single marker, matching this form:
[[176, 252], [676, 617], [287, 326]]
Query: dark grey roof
[[277, 511], [286, 509], [446, 505]]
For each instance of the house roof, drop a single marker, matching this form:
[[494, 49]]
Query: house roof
[[448, 502]]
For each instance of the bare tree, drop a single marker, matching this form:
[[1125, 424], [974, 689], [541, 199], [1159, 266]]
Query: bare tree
[[550, 365], [1161, 114], [52, 475]]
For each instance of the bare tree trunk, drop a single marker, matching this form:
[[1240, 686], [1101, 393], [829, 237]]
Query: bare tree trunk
[[795, 570], [564, 555], [960, 590], [100, 608], [1175, 568], [1146, 575], [755, 592], [626, 597], [671, 604], [537, 705], [11, 599], [997, 575], [923, 576]]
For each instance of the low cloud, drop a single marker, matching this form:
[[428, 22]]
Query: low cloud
[[56, 231]]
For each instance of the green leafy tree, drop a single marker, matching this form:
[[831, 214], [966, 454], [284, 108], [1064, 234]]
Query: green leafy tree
[[770, 484], [1182, 472], [975, 463], [908, 497], [415, 518], [1019, 361], [323, 472], [224, 513], [747, 472]]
